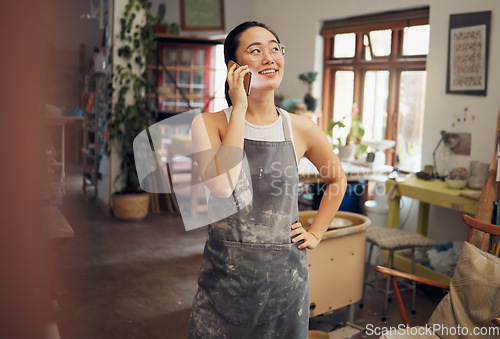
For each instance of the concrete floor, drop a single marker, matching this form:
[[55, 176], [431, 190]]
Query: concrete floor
[[137, 279]]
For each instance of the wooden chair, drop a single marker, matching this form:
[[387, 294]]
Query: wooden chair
[[489, 244]]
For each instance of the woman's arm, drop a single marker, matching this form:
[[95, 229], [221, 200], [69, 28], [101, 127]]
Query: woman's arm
[[319, 151], [219, 158]]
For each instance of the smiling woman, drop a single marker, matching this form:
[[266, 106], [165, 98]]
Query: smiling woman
[[253, 281]]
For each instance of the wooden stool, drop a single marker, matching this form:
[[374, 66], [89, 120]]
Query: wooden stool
[[391, 239]]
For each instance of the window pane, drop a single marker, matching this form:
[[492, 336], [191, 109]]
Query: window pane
[[375, 104], [170, 56], [381, 42], [219, 79], [184, 77], [169, 77], [199, 57], [366, 43], [416, 40], [199, 78], [344, 91], [410, 120], [185, 59], [344, 45]]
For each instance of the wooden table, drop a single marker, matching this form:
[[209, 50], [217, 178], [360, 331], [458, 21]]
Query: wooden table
[[432, 192], [58, 232], [61, 122]]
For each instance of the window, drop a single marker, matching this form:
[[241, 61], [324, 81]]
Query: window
[[374, 66]]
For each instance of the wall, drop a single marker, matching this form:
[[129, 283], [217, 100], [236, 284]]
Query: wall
[[440, 106], [65, 28], [235, 12]]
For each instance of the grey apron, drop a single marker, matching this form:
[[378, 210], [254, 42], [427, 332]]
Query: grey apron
[[253, 280]]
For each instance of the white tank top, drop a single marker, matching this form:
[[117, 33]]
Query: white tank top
[[271, 132]]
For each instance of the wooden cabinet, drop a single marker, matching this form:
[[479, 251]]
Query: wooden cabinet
[[182, 75]]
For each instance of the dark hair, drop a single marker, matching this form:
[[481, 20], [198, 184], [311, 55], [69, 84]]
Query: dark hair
[[232, 43]]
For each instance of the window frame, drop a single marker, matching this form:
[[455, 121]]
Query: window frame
[[395, 62]]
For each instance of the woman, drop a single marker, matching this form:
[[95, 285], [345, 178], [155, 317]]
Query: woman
[[254, 280]]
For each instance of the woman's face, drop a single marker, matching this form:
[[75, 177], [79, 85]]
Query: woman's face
[[267, 71]]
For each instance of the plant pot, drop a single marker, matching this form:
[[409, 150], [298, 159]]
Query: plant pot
[[160, 29], [310, 102], [347, 152], [130, 207]]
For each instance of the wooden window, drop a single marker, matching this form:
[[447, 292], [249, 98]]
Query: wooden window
[[185, 82], [374, 66]]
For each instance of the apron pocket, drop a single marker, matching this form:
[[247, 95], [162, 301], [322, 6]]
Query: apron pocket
[[250, 283]]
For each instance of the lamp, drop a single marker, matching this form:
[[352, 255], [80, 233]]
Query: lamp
[[450, 140]]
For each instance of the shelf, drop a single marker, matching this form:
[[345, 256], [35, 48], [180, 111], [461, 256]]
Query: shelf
[[88, 154], [88, 181], [94, 127], [190, 40]]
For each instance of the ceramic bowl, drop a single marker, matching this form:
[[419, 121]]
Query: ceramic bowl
[[336, 223], [455, 183]]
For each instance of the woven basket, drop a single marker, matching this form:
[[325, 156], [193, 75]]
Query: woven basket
[[130, 206]]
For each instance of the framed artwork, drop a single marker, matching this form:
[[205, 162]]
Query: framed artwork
[[468, 46], [198, 15]]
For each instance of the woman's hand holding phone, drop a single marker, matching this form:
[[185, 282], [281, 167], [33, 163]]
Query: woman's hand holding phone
[[238, 78]]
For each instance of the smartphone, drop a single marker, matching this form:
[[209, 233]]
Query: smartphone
[[246, 80]]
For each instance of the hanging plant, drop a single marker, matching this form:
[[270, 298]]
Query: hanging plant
[[129, 114]]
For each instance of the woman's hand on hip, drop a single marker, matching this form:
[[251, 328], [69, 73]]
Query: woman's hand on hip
[[235, 76], [309, 239]]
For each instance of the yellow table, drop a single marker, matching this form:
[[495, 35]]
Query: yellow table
[[432, 192]]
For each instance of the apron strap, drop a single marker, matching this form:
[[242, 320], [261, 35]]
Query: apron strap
[[227, 112], [287, 126]]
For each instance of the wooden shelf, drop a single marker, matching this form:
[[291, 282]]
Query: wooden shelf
[[93, 136], [186, 39]]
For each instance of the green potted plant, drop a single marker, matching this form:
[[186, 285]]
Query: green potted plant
[[160, 26], [351, 146], [309, 78], [129, 114]]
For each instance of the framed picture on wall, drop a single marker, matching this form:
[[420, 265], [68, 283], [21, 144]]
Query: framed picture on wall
[[468, 46], [198, 15]]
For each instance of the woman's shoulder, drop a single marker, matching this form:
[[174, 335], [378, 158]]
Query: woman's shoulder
[[302, 123], [211, 118]]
